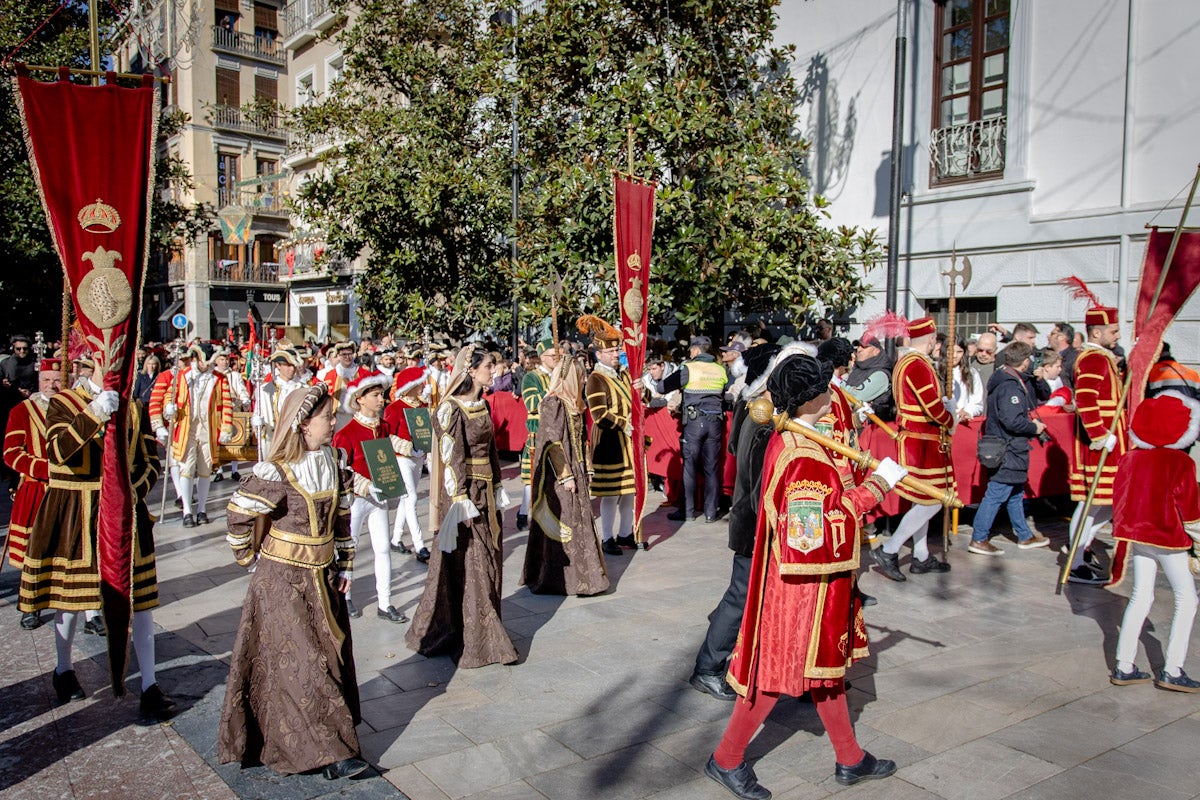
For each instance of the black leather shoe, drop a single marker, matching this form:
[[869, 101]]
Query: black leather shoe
[[740, 780], [202, 518], [626, 541], [390, 614], [678, 515], [95, 627], [237, 476], [867, 600], [218, 477], [189, 521], [155, 704], [708, 519], [346, 768], [179, 502], [31, 620], [611, 548], [67, 687], [889, 564], [522, 522], [930, 564], [715, 685], [400, 548], [869, 769], [423, 555], [354, 612]]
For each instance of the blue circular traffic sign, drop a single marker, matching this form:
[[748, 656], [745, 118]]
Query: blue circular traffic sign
[[179, 322]]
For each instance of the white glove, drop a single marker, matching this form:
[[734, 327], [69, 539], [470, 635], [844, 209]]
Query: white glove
[[256, 422], [169, 411], [890, 471], [163, 435], [376, 494], [418, 453], [225, 437], [862, 412], [1109, 443], [105, 404], [629, 430]]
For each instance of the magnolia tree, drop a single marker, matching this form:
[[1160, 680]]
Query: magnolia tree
[[422, 181]]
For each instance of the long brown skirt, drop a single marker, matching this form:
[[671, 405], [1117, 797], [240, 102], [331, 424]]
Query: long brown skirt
[[291, 702]]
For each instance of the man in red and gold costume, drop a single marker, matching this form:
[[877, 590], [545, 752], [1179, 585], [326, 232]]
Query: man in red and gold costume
[[803, 624], [25, 454], [200, 405], [925, 426], [406, 391], [345, 370], [1097, 392]]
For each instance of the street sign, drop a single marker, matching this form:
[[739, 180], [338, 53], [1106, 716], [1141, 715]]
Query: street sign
[[179, 322]]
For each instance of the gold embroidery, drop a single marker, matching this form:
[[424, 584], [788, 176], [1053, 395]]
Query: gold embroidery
[[99, 217]]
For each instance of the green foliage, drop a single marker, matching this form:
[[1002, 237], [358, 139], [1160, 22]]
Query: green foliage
[[422, 184]]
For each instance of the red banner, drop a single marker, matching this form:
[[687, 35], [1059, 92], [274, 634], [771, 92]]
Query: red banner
[[1183, 276], [633, 233], [91, 151]]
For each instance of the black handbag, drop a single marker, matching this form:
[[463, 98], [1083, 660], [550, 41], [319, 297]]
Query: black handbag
[[990, 451]]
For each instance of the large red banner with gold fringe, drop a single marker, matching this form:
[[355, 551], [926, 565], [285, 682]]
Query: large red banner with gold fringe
[[1183, 276], [633, 233], [91, 149]]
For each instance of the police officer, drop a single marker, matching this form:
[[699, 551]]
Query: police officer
[[703, 382]]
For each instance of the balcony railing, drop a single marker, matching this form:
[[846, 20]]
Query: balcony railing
[[302, 14], [264, 203], [225, 270], [301, 143], [264, 48], [972, 150], [247, 120]]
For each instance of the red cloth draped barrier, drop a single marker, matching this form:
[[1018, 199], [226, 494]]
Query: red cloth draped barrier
[[508, 420]]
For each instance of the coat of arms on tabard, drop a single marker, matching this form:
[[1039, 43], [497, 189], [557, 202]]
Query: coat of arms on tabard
[[806, 515]]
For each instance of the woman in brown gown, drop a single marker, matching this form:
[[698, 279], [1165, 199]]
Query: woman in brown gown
[[459, 612], [292, 697], [563, 555]]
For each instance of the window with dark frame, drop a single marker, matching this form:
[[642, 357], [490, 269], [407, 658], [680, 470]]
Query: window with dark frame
[[970, 93], [972, 315]]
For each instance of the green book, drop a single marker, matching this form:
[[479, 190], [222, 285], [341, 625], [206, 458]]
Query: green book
[[419, 429], [381, 463]]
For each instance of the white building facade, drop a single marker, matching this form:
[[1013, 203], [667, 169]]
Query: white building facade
[[1040, 138]]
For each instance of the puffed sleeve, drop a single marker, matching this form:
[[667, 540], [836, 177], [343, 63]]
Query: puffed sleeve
[[260, 495], [451, 434], [343, 542]]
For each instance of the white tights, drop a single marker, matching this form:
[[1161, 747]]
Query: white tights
[[1096, 518], [526, 500], [610, 509], [913, 525], [65, 623], [1146, 560], [406, 511], [375, 515]]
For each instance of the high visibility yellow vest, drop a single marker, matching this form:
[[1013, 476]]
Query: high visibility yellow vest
[[705, 377]]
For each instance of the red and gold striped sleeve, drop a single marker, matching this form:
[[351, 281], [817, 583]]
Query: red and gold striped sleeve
[[19, 452]]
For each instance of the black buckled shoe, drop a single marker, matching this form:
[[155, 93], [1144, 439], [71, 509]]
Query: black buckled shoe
[[423, 555], [398, 547], [156, 705], [352, 609], [626, 541], [869, 769], [930, 564], [716, 685], [740, 780], [1135, 675], [67, 687], [611, 548], [390, 614], [31, 620], [1176, 683], [346, 768], [889, 564], [189, 521], [95, 627], [202, 518]]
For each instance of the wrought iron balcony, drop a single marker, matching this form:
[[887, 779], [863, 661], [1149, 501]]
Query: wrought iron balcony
[[227, 270], [270, 203], [968, 151], [302, 16], [302, 145], [263, 48], [247, 120]]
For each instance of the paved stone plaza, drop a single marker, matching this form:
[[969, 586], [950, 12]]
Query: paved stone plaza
[[981, 684]]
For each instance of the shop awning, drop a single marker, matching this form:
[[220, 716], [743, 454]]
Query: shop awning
[[272, 313], [171, 311]]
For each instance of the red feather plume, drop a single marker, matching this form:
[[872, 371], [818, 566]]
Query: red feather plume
[[1079, 290], [77, 345], [888, 325]]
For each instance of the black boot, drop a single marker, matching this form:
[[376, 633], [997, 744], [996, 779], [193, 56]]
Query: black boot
[[67, 687], [889, 564], [154, 704], [869, 769], [740, 780]]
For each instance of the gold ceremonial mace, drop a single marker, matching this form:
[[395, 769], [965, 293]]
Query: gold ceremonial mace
[[763, 412], [950, 521]]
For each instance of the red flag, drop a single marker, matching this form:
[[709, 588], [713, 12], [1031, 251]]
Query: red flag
[[253, 332], [633, 233], [90, 148], [1183, 276]]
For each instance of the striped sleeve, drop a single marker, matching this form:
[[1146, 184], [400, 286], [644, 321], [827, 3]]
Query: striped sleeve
[[18, 452]]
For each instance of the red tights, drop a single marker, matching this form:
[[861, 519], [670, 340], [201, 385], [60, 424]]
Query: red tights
[[748, 717]]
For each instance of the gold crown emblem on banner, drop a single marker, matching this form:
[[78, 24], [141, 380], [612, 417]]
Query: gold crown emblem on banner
[[98, 217]]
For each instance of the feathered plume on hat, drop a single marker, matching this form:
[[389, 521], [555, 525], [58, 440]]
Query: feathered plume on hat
[[888, 325], [1097, 313], [77, 346], [604, 336]]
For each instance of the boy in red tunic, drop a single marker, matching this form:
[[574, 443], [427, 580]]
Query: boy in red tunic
[[406, 393], [803, 623], [1156, 520]]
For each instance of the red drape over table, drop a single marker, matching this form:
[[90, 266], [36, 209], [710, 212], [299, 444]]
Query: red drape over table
[[91, 151]]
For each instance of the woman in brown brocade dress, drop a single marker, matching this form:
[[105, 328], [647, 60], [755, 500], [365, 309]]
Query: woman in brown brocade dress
[[563, 555], [292, 697], [459, 612]]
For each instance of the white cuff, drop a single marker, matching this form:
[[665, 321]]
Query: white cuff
[[459, 511]]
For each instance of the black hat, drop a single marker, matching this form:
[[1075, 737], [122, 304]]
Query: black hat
[[758, 360], [798, 379], [837, 351]]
